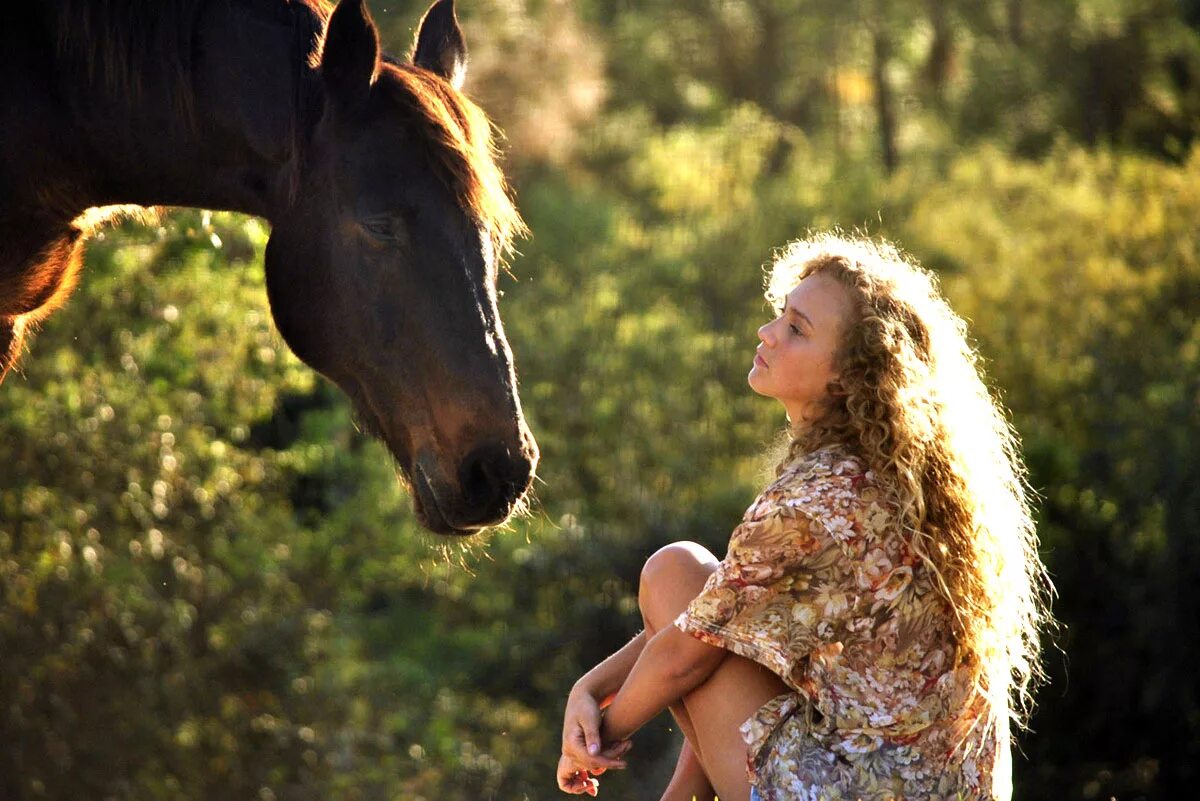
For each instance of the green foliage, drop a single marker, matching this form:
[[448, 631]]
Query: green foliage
[[211, 586], [1082, 277], [148, 598]]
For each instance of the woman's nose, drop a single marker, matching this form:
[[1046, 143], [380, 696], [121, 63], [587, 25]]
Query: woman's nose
[[764, 333]]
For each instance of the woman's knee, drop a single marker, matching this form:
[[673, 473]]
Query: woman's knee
[[671, 578], [679, 562]]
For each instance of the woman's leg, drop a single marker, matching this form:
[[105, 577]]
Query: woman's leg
[[689, 783], [689, 780], [712, 713], [670, 579]]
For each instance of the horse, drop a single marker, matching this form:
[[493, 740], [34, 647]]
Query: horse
[[389, 216]]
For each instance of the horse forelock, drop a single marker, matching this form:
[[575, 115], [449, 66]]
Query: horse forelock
[[462, 143]]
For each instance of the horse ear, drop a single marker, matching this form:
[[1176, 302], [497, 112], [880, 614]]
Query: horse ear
[[350, 59], [440, 46]]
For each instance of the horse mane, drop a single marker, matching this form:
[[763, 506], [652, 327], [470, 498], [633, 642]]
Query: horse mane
[[115, 43], [464, 149]]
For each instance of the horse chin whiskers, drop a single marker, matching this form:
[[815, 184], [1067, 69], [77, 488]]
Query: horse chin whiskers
[[522, 508]]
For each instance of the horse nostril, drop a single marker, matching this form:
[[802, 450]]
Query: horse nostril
[[478, 485], [491, 479]]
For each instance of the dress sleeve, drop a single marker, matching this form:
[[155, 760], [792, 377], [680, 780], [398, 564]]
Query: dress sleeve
[[760, 602]]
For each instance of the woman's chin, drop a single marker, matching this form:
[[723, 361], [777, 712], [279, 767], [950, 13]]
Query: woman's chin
[[757, 383]]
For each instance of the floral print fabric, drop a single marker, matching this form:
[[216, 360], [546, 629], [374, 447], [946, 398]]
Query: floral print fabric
[[819, 586]]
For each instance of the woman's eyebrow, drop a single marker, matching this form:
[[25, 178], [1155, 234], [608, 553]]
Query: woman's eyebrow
[[800, 314]]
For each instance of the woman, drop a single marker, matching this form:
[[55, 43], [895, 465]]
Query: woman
[[873, 629]]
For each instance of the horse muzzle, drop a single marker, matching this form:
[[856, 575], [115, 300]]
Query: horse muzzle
[[487, 487]]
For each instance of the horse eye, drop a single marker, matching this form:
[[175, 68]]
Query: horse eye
[[381, 227]]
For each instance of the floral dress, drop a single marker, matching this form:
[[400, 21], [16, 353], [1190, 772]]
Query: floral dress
[[819, 586]]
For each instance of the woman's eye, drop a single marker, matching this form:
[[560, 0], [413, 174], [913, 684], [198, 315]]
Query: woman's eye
[[794, 329]]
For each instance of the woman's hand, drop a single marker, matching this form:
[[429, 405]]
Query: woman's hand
[[574, 779], [581, 742], [584, 755]]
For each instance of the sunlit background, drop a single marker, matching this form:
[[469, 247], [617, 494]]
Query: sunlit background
[[211, 586]]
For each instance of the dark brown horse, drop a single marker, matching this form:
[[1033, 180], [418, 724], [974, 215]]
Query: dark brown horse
[[388, 212]]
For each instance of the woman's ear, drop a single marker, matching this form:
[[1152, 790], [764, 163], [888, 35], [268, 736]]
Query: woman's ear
[[350, 59], [440, 46]]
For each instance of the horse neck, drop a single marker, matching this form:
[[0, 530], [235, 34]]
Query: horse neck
[[230, 134]]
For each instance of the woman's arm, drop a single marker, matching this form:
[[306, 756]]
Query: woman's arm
[[581, 742], [603, 681], [670, 666], [647, 675]]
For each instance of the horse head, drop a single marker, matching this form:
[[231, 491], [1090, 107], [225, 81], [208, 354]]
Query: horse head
[[381, 268]]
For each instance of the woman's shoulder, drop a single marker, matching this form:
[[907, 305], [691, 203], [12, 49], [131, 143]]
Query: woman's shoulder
[[834, 486], [831, 468]]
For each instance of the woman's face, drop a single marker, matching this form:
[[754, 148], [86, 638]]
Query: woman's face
[[794, 362]]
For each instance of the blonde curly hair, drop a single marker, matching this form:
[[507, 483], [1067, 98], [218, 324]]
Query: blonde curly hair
[[910, 399]]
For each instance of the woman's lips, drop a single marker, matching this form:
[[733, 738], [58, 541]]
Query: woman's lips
[[758, 362]]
